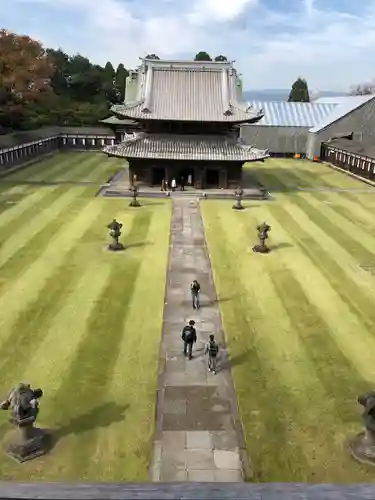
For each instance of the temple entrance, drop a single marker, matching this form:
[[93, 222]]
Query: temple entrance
[[212, 178], [185, 172], [158, 175]]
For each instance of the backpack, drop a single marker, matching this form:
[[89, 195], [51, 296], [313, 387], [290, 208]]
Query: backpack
[[213, 348], [189, 334]]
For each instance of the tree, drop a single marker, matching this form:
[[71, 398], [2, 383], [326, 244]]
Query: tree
[[363, 89], [299, 91], [221, 58], [109, 73], [202, 56], [153, 56], [26, 68], [60, 62], [25, 76], [121, 75], [41, 87]]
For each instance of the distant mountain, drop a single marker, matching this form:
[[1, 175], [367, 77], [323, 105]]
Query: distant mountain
[[282, 94]]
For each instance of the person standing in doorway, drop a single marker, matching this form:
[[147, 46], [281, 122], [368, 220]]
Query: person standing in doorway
[[195, 289], [190, 180], [182, 183], [212, 349], [189, 337], [173, 184]]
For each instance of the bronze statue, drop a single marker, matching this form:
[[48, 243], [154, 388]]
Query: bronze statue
[[263, 230], [238, 193], [115, 232], [26, 442], [362, 446], [134, 191]]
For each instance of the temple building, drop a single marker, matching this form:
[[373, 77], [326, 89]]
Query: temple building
[[185, 119]]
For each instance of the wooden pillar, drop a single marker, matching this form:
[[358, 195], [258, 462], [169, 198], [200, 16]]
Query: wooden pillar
[[199, 177], [223, 178], [131, 171]]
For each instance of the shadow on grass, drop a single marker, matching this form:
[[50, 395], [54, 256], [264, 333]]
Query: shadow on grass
[[139, 244], [280, 246], [152, 203], [100, 416], [221, 300], [226, 362], [284, 180]]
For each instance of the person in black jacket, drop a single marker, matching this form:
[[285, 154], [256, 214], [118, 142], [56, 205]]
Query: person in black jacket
[[195, 288], [189, 336]]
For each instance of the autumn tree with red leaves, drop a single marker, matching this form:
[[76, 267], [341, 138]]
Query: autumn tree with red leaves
[[41, 86], [25, 73], [25, 67]]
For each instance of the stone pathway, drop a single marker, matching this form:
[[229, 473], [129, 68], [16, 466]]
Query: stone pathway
[[198, 434]]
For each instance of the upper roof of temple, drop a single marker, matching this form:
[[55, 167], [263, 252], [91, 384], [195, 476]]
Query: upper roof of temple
[[187, 91]]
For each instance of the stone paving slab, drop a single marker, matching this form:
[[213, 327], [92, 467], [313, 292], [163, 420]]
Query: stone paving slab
[[198, 436]]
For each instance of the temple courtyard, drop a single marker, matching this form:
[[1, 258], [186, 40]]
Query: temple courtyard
[[85, 324]]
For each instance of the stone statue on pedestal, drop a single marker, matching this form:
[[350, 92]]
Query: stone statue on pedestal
[[263, 230], [25, 442], [238, 193], [362, 447], [134, 191], [115, 232]]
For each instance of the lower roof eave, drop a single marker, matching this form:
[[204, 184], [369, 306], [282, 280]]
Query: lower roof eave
[[249, 121], [261, 157]]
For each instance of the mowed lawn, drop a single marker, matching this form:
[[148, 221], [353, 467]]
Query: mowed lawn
[[300, 321], [80, 322]]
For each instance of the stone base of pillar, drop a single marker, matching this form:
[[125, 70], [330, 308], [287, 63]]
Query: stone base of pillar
[[23, 446], [134, 203], [261, 249], [362, 448]]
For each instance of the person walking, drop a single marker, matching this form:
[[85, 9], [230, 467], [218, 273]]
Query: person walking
[[189, 337], [182, 183], [195, 289], [173, 184], [212, 349]]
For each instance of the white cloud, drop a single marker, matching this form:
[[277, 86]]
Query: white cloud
[[271, 48], [218, 10]]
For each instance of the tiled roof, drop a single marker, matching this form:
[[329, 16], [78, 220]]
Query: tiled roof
[[113, 120], [343, 107], [167, 146], [292, 114], [192, 91]]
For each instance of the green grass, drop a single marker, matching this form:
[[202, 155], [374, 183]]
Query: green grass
[[80, 322], [299, 322]]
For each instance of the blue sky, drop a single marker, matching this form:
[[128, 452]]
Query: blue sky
[[331, 43]]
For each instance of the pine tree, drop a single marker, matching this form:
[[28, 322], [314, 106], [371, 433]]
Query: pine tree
[[202, 56], [221, 58], [299, 91], [109, 73], [120, 79]]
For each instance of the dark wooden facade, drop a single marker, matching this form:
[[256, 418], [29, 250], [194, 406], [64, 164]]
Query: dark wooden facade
[[356, 163], [204, 174]]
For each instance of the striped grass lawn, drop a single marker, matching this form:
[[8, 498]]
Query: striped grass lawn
[[80, 322], [300, 321]]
